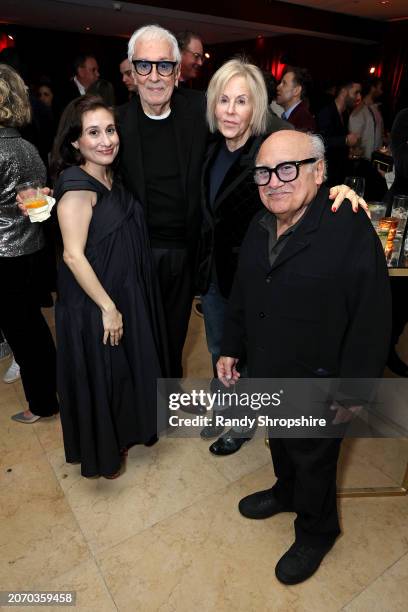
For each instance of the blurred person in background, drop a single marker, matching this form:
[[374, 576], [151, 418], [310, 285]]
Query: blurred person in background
[[86, 73], [22, 256], [125, 68], [192, 56], [366, 119], [292, 94], [332, 122]]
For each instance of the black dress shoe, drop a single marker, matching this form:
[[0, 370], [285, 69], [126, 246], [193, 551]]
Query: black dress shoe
[[396, 364], [196, 409], [262, 505], [300, 562], [227, 444], [211, 431]]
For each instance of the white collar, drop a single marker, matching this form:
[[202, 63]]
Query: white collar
[[81, 88], [159, 117]]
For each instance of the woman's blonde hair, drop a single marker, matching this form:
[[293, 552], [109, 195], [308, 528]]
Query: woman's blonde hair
[[256, 84], [15, 108]]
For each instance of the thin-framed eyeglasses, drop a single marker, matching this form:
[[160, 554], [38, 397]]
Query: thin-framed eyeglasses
[[286, 171], [197, 56], [163, 67]]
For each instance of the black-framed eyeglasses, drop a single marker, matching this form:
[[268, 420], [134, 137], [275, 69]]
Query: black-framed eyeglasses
[[197, 56], [163, 67], [286, 171]]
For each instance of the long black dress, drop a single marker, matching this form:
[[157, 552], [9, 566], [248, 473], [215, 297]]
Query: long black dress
[[108, 394]]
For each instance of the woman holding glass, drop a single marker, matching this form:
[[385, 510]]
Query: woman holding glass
[[21, 256]]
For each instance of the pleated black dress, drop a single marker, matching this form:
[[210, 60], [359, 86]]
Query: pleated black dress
[[108, 394]]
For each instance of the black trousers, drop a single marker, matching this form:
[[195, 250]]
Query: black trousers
[[27, 331], [306, 470], [173, 270]]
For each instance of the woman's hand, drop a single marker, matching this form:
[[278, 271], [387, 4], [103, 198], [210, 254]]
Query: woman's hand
[[112, 325], [340, 192], [20, 202]]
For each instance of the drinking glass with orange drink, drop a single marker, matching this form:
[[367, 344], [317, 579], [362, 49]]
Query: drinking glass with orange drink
[[37, 204]]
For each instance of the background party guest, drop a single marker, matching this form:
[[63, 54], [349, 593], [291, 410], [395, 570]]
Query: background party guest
[[21, 256]]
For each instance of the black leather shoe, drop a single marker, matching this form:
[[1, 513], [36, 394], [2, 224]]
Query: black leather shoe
[[227, 444], [211, 431], [261, 505], [299, 563], [196, 409]]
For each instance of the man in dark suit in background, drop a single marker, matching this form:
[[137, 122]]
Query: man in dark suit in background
[[86, 73], [332, 123], [292, 92], [310, 299], [163, 141]]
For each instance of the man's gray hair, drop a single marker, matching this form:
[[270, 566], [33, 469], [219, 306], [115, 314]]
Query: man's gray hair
[[318, 150], [154, 32]]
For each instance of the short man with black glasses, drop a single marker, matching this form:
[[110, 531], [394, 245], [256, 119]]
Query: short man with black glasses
[[192, 56], [310, 299], [164, 136]]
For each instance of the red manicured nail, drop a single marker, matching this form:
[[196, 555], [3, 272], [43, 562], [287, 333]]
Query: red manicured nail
[[334, 209]]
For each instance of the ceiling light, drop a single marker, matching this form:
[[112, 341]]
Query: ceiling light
[[207, 55], [10, 36], [88, 28]]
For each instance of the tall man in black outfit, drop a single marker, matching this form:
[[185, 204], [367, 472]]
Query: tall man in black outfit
[[164, 136], [310, 299], [332, 123]]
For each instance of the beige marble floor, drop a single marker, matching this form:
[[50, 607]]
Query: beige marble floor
[[167, 535]]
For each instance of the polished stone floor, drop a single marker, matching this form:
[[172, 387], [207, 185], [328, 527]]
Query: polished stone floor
[[167, 536]]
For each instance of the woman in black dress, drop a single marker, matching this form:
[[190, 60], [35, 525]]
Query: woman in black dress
[[109, 338]]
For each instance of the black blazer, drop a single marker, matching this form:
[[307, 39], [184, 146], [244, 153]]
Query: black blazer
[[226, 223], [322, 309], [188, 111]]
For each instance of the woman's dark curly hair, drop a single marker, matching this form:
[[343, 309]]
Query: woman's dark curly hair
[[64, 154]]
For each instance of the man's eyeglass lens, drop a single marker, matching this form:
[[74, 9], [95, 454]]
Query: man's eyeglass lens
[[164, 68], [286, 171]]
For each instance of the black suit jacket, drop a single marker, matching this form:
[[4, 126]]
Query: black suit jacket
[[188, 112], [322, 309], [226, 222]]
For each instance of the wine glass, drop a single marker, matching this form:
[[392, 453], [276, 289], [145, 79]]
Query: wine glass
[[357, 183]]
